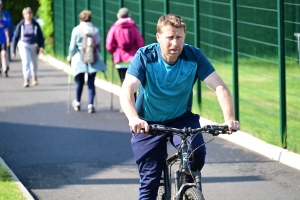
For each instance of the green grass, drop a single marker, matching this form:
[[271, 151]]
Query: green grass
[[8, 188], [111, 73], [259, 100]]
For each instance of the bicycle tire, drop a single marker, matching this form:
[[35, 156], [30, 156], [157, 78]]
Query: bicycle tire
[[161, 193], [193, 194]]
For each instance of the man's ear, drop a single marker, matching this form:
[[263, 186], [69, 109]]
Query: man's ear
[[157, 37]]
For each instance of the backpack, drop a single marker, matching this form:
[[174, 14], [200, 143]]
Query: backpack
[[125, 37], [88, 50]]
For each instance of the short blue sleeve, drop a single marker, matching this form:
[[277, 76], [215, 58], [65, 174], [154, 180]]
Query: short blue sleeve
[[205, 68], [137, 66]]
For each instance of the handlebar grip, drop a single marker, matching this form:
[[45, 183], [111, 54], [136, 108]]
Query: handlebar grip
[[156, 129], [226, 127]]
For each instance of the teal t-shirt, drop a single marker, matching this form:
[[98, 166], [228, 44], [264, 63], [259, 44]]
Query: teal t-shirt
[[166, 90]]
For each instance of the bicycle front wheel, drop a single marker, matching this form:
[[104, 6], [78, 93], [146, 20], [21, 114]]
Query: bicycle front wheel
[[193, 194], [161, 193]]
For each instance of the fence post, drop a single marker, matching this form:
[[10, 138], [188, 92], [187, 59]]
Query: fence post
[[103, 50], [166, 6], [121, 3], [196, 43], [296, 28], [141, 17], [281, 69], [234, 56], [87, 4], [64, 49], [75, 17]]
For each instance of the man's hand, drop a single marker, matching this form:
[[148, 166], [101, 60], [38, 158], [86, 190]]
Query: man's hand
[[13, 55], [138, 125], [233, 125]]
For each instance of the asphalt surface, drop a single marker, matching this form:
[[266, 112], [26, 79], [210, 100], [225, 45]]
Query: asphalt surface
[[58, 153]]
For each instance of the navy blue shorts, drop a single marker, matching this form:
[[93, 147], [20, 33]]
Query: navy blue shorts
[[3, 47], [149, 153]]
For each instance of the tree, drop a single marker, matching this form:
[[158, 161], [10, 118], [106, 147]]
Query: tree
[[45, 13]]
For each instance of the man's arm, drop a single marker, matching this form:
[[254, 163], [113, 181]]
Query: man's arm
[[127, 101], [215, 83]]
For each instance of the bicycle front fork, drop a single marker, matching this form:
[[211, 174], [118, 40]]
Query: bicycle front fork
[[181, 187]]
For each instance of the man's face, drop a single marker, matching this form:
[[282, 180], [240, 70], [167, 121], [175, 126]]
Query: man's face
[[171, 40]]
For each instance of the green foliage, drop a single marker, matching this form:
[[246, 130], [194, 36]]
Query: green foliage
[[45, 13], [15, 7]]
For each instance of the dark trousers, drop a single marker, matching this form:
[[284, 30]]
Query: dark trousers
[[149, 153], [79, 79], [122, 73]]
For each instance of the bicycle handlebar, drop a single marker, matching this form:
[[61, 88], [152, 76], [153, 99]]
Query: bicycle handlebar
[[210, 129]]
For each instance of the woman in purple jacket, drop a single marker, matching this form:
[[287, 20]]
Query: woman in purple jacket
[[123, 40]]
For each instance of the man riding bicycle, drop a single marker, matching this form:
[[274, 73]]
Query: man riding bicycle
[[164, 74]]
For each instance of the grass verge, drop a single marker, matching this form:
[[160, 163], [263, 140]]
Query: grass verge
[[9, 190], [259, 101]]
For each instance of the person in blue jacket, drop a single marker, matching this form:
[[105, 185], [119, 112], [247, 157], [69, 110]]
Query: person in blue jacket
[[4, 42], [6, 17], [28, 37], [79, 67]]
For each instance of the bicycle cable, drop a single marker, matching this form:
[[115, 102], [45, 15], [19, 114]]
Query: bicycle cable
[[192, 153]]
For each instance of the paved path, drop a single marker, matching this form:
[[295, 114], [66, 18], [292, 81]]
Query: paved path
[[76, 155]]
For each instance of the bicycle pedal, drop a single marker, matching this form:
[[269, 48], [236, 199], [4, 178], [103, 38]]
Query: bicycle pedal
[[172, 158]]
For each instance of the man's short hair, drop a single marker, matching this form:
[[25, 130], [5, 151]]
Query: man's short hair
[[123, 13], [85, 16], [170, 19]]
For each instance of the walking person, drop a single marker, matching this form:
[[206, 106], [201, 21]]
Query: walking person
[[4, 42], [6, 17], [79, 67], [165, 73], [29, 38], [122, 41]]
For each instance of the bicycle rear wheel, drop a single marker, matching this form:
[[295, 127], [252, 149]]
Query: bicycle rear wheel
[[193, 194]]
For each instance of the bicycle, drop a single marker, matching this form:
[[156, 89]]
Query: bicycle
[[182, 190]]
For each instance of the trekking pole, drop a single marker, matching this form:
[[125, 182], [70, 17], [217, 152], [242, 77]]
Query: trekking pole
[[112, 84], [69, 94]]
